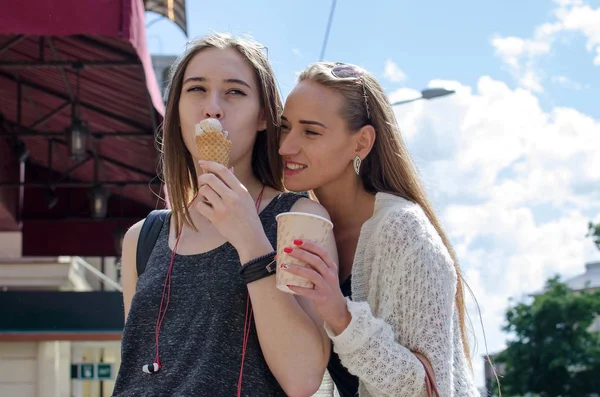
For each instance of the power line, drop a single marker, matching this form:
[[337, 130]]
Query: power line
[[326, 39]]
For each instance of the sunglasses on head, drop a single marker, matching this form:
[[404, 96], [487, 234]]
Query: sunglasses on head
[[346, 71]]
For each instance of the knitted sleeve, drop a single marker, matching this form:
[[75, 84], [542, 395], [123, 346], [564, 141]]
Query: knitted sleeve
[[414, 283]]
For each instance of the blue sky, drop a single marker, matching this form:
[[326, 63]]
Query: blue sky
[[511, 161], [428, 39]]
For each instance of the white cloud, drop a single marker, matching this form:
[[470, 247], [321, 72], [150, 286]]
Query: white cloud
[[502, 130], [522, 55], [583, 19], [514, 185], [393, 72], [566, 82]]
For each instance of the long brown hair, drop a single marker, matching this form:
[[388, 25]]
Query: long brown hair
[[177, 164], [388, 167]]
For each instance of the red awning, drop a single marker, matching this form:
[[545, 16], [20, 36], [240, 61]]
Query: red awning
[[45, 49], [121, 20]]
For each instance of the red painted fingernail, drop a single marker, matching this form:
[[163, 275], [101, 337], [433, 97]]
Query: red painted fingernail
[[298, 242], [285, 266], [275, 258], [288, 250], [290, 285]]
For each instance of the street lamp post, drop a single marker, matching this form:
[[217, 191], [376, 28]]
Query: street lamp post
[[429, 93]]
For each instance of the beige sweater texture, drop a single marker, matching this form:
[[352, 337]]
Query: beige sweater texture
[[403, 299]]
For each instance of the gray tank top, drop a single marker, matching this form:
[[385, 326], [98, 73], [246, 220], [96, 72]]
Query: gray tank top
[[201, 336]]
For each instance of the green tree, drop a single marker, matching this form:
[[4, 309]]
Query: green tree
[[554, 353], [594, 233]]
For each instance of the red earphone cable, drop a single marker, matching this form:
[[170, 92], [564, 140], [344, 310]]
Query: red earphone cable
[[167, 289]]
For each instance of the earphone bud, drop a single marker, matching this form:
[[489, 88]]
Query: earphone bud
[[151, 368]]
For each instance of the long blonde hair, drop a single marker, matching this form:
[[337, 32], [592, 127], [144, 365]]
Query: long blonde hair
[[178, 168], [388, 167]]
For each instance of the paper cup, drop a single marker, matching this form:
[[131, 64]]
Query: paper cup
[[292, 226]]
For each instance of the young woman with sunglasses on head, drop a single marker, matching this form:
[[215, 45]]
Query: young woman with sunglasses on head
[[205, 317], [393, 303]]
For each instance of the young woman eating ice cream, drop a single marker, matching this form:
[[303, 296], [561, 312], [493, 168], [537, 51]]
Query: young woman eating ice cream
[[205, 317]]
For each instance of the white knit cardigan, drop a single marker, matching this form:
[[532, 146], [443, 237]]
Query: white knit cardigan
[[403, 299]]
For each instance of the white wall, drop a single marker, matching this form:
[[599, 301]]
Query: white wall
[[35, 369], [18, 369], [54, 369]]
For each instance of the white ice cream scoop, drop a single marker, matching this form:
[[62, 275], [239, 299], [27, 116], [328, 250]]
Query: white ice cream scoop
[[209, 125]]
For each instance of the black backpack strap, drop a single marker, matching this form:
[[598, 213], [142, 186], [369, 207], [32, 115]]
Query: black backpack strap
[[148, 235]]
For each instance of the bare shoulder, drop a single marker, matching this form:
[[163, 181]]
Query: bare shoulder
[[129, 274], [310, 207], [133, 234], [129, 249]]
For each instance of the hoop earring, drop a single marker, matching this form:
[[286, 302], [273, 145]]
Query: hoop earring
[[357, 162]]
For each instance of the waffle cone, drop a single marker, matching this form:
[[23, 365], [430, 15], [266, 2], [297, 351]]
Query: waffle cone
[[213, 146]]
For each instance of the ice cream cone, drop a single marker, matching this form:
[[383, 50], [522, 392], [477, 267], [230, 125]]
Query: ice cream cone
[[212, 142], [213, 146]]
